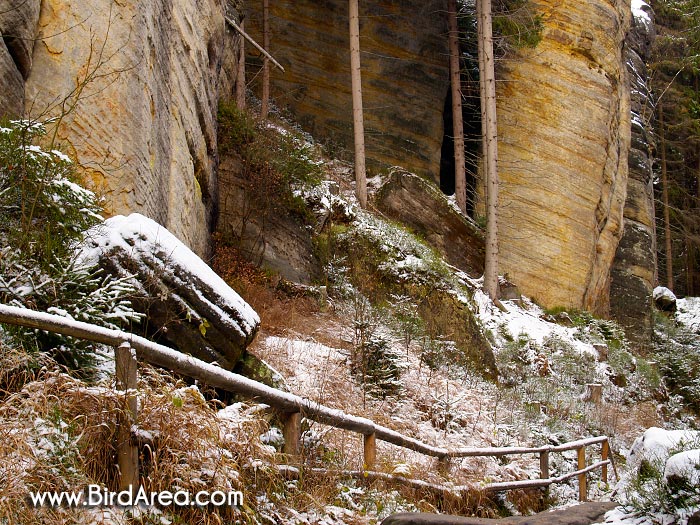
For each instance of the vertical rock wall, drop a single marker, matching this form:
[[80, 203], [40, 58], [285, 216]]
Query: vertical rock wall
[[141, 82], [563, 118], [404, 74], [18, 20], [634, 268]]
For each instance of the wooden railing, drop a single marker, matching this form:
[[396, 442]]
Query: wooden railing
[[291, 407]]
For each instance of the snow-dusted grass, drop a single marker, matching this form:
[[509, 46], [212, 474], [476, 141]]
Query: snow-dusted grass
[[688, 313], [58, 434]]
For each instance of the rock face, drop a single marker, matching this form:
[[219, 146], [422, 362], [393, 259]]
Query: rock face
[[187, 306], [404, 74], [634, 268], [141, 80], [275, 239], [18, 23], [563, 122], [420, 205]]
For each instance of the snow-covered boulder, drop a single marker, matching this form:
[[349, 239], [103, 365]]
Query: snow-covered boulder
[[187, 305], [684, 467], [672, 453], [664, 299]]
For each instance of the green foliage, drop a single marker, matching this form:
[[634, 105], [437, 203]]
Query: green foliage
[[374, 364], [652, 494], [377, 367], [274, 160], [45, 214], [517, 24], [679, 363]]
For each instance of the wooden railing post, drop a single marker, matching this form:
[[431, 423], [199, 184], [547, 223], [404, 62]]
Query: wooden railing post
[[127, 450], [582, 491], [370, 451], [291, 429], [605, 452], [544, 464]]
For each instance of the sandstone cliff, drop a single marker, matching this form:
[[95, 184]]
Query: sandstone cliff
[[563, 141], [634, 269], [141, 82], [404, 74]]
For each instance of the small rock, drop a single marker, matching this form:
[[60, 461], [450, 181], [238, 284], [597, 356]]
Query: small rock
[[694, 519], [602, 350], [664, 299]]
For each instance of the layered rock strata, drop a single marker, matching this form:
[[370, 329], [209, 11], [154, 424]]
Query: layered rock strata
[[404, 74], [563, 119], [139, 82], [634, 269]]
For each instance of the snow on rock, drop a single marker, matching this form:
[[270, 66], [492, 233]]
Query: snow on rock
[[688, 313], [664, 298], [640, 11], [684, 465], [656, 443], [654, 448], [187, 305]]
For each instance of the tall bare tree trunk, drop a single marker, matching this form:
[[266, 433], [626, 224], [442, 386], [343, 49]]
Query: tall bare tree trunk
[[265, 100], [358, 118], [482, 93], [457, 124], [240, 76], [488, 79], [664, 194]]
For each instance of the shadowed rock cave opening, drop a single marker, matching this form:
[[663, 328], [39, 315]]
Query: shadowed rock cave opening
[[471, 117]]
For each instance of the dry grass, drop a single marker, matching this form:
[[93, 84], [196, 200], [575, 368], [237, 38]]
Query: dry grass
[[57, 434]]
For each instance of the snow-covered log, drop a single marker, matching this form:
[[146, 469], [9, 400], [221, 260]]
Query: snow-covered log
[[187, 305]]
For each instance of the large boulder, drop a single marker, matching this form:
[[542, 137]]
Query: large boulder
[[273, 237], [672, 453], [18, 27], [421, 206], [187, 306]]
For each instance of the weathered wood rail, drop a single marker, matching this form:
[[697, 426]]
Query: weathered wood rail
[[291, 407]]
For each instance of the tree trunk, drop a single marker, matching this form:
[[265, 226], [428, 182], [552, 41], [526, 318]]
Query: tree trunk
[[457, 124], [664, 193], [240, 76], [482, 93], [265, 100], [358, 119], [488, 79]]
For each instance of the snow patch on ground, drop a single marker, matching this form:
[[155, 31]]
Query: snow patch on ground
[[525, 318], [688, 313]]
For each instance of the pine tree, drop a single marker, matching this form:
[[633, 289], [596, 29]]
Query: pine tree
[[357, 112], [490, 138], [457, 124]]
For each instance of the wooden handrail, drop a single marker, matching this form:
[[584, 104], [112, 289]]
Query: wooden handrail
[[293, 405]]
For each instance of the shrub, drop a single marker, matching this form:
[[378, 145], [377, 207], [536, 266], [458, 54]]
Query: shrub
[[274, 161], [44, 215], [517, 25], [651, 492]]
